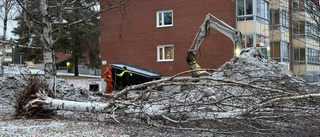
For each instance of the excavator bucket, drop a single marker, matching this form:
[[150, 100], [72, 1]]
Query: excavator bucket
[[191, 60], [198, 72]]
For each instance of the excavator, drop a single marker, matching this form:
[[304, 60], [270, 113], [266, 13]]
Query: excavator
[[234, 34]]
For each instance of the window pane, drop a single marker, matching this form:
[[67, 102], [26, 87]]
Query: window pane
[[259, 7], [249, 41], [248, 7], [302, 30], [167, 18], [296, 54], [284, 18], [159, 19], [168, 52], [302, 54], [275, 49], [266, 10], [160, 53], [276, 18], [240, 7], [285, 50], [309, 54], [262, 8]]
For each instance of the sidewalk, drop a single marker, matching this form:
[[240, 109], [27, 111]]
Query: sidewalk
[[85, 81], [17, 71], [65, 73]]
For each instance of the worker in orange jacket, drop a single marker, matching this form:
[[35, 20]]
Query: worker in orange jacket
[[107, 76]]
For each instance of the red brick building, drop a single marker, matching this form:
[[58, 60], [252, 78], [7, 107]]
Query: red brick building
[[157, 35]]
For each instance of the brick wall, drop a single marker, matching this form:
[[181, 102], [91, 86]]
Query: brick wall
[[129, 34]]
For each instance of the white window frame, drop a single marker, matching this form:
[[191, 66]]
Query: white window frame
[[160, 15], [161, 53]]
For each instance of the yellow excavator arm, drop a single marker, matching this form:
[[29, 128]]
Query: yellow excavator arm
[[204, 29], [234, 35]]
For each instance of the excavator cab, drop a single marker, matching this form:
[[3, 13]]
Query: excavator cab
[[263, 51]]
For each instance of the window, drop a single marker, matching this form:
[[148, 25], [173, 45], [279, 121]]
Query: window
[[245, 7], [247, 40], [298, 28], [274, 17], [165, 18], [285, 18], [312, 31], [298, 5], [263, 9], [165, 53], [313, 55], [285, 51], [299, 54], [240, 7], [275, 49], [249, 7]]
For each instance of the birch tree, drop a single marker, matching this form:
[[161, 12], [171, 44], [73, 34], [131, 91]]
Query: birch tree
[[7, 9], [40, 20]]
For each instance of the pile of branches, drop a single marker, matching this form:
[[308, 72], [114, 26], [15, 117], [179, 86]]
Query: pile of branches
[[233, 101], [212, 106]]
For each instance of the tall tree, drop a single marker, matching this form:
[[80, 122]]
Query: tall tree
[[80, 39], [6, 8], [40, 20]]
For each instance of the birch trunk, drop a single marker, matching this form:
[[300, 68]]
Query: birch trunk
[[5, 22], [58, 104], [46, 39], [47, 42]]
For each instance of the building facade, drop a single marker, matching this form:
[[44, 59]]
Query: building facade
[[279, 32], [157, 35], [305, 39], [6, 51]]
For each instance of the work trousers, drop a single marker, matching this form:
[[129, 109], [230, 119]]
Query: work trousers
[[108, 87]]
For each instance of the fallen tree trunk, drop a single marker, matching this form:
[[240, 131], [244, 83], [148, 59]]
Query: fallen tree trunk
[[167, 103], [236, 102], [209, 103], [57, 104]]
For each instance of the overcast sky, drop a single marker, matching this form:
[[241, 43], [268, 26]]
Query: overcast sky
[[11, 25]]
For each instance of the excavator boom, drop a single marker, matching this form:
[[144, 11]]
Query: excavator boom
[[234, 35]]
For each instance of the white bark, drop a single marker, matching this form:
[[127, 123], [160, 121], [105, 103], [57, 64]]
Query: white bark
[[47, 42], [58, 104], [7, 6], [45, 36]]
